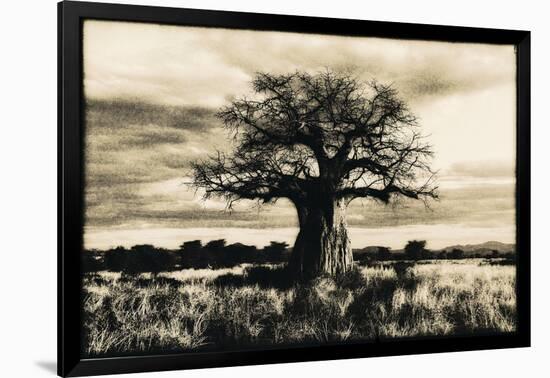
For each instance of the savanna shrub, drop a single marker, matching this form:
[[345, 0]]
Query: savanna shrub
[[352, 280]]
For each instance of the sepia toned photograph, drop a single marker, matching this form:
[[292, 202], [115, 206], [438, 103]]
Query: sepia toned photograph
[[252, 189]]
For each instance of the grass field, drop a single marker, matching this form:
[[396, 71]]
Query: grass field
[[245, 306]]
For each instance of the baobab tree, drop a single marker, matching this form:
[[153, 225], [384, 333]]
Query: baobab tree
[[321, 141]]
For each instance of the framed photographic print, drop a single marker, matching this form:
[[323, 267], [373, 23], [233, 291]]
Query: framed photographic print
[[240, 188]]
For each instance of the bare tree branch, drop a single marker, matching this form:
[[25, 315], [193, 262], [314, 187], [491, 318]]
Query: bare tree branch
[[304, 134]]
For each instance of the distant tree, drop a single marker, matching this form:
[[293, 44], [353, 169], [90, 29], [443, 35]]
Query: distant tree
[[415, 249], [237, 253], [147, 258], [320, 141], [456, 254], [191, 246], [213, 254], [139, 259], [215, 245], [115, 259], [427, 254], [274, 252], [190, 254], [90, 261], [495, 254], [383, 253], [442, 255]]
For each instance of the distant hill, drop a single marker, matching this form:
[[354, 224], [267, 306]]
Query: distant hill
[[486, 247], [469, 249], [370, 250]]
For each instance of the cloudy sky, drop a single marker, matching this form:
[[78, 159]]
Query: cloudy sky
[[152, 92]]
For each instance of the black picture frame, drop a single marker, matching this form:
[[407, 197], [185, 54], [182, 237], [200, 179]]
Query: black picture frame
[[70, 185]]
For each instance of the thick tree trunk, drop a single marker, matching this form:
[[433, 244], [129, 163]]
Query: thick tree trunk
[[322, 245]]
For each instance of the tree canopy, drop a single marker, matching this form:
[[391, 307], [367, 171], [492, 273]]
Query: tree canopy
[[303, 133]]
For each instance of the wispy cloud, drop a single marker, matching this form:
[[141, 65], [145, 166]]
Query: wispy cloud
[[207, 66]]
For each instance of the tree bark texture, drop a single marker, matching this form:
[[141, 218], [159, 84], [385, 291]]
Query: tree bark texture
[[323, 245]]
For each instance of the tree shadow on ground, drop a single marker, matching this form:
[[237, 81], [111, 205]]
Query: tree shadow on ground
[[278, 277]]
